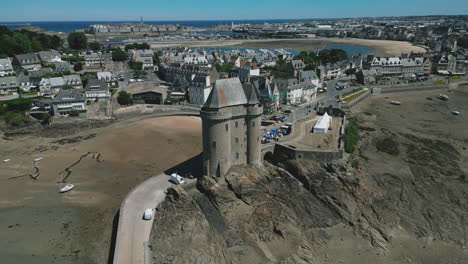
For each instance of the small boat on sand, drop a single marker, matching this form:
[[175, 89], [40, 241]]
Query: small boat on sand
[[67, 188], [455, 112], [38, 159], [395, 102], [443, 97]]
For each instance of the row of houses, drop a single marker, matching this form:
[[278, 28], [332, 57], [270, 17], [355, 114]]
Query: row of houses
[[73, 99]]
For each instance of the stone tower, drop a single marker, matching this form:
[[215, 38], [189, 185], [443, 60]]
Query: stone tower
[[231, 121]]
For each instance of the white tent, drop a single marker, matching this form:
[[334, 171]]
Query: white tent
[[323, 124]]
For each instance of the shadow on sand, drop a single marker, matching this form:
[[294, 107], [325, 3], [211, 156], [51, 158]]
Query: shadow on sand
[[192, 166], [115, 226]]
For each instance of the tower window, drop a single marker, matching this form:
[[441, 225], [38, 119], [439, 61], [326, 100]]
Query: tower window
[[213, 145], [227, 127], [237, 124], [237, 140], [253, 123], [237, 155], [258, 139]]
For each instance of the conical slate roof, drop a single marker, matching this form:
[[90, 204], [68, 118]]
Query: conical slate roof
[[252, 94], [226, 92]]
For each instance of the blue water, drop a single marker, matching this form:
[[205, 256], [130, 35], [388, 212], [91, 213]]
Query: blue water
[[70, 26], [351, 49]]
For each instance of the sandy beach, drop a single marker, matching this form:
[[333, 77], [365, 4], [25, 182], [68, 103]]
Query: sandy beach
[[382, 47], [39, 225]]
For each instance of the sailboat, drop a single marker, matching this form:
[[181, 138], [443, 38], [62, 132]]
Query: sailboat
[[66, 188]]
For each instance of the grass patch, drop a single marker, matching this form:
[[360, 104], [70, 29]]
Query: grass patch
[[351, 135], [439, 82], [350, 98], [353, 91]]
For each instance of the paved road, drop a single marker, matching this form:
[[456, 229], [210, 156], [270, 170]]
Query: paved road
[[133, 231]]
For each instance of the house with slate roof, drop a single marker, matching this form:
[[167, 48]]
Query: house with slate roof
[[51, 86], [268, 94], [8, 85], [30, 61], [6, 68], [97, 90], [29, 83], [73, 80], [62, 66], [67, 100], [50, 56]]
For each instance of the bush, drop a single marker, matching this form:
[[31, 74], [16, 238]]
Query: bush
[[78, 66], [136, 65], [74, 113], [351, 135], [124, 98], [15, 118], [45, 120]]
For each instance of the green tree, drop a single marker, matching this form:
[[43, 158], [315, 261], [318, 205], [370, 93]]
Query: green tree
[[224, 67], [124, 98], [137, 46], [78, 66], [55, 42], [95, 46], [23, 44], [136, 65], [119, 55], [36, 45], [156, 59], [77, 40], [350, 71], [360, 77]]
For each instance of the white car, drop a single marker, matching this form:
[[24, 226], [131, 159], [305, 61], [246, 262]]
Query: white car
[[176, 179], [148, 215]]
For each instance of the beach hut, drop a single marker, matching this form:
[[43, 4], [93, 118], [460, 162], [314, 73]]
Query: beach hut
[[323, 124]]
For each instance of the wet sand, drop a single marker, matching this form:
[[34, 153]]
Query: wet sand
[[39, 225]]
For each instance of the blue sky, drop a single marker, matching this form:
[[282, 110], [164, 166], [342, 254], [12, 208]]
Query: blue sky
[[119, 10]]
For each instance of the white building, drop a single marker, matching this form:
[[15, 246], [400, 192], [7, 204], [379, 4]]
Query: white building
[[199, 90], [323, 124]]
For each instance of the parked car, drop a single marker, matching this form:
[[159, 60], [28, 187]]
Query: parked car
[[148, 214]]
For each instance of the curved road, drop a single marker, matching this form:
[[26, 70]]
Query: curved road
[[133, 232]]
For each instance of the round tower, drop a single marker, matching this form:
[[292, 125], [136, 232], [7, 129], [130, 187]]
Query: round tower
[[254, 123], [216, 142]]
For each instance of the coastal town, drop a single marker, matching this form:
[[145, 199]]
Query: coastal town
[[168, 127]]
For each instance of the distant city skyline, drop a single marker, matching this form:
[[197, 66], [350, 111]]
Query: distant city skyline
[[188, 10]]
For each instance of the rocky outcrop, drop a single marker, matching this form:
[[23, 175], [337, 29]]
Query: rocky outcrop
[[281, 214]]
